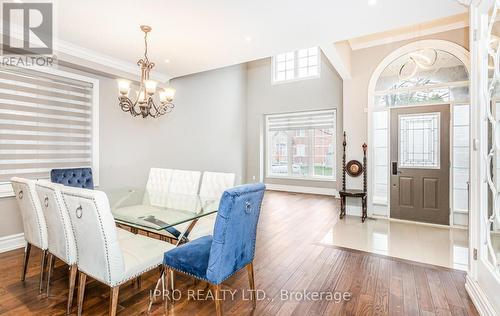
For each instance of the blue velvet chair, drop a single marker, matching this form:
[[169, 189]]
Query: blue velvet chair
[[232, 247], [75, 177]]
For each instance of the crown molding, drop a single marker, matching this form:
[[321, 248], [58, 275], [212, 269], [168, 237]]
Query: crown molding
[[110, 63]]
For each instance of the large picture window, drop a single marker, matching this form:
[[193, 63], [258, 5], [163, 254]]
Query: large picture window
[[48, 119], [301, 145]]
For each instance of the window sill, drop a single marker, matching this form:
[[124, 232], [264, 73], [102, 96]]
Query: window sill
[[279, 82], [302, 179], [6, 190]]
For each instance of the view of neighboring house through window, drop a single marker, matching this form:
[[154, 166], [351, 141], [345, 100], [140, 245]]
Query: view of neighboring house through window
[[299, 64], [301, 145]]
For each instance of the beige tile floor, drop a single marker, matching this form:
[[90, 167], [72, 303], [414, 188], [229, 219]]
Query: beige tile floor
[[446, 247]]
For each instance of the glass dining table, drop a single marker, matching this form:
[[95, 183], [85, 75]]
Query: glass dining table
[[156, 211]]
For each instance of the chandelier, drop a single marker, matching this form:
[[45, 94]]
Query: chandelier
[[144, 104]]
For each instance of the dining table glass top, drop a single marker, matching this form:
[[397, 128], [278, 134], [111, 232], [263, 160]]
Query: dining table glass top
[[156, 210]]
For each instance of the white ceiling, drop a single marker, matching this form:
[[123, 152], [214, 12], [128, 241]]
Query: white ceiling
[[198, 35]]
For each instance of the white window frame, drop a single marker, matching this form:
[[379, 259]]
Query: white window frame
[[309, 152], [6, 189], [295, 69]]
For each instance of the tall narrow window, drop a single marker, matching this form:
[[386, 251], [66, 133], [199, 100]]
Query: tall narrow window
[[301, 145], [299, 64], [46, 121]]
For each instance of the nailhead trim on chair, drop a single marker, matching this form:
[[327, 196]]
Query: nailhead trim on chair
[[253, 252], [137, 274], [255, 234], [64, 225], [102, 231], [107, 253], [72, 228], [36, 215]]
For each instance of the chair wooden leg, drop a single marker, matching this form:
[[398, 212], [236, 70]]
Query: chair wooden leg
[[218, 300], [73, 270], [42, 270], [172, 279], [113, 300], [26, 258], [81, 291], [166, 276], [49, 272], [252, 282]]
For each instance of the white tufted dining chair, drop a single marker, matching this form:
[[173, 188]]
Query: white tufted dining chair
[[61, 238], [213, 184], [157, 187], [102, 253], [35, 228]]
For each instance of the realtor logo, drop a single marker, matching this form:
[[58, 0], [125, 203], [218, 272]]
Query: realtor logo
[[37, 26]]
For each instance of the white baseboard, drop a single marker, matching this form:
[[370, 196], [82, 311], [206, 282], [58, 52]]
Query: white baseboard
[[301, 189], [11, 242], [479, 299]]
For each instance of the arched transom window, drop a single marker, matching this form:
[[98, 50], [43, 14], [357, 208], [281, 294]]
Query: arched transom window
[[425, 76]]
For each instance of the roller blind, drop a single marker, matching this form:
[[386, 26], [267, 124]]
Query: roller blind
[[303, 120], [45, 123]]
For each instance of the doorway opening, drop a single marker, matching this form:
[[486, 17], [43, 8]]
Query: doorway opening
[[418, 128]]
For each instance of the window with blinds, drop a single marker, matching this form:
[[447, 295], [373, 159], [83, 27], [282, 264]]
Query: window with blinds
[[45, 123], [301, 145]]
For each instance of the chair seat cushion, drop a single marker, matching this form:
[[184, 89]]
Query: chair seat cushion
[[140, 254], [190, 258]]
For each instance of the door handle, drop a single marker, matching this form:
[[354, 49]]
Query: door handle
[[394, 168]]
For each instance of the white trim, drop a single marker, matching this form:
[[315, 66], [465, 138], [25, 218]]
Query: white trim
[[450, 23], [478, 297], [92, 56], [302, 189], [311, 178], [458, 51], [6, 190], [12, 242]]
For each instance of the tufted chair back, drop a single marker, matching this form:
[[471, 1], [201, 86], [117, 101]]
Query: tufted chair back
[[183, 186], [233, 245], [157, 186], [61, 238], [185, 182], [35, 227], [99, 253], [76, 177], [213, 184]]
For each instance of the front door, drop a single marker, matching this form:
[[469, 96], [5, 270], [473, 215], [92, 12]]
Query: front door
[[420, 164]]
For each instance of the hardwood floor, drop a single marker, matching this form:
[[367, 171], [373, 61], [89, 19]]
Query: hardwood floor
[[289, 258]]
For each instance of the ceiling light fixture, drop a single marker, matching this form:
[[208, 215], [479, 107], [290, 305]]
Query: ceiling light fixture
[[147, 90], [372, 2]]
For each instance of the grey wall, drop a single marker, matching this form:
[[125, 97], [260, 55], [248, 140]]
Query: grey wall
[[206, 131], [215, 126], [263, 97]]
